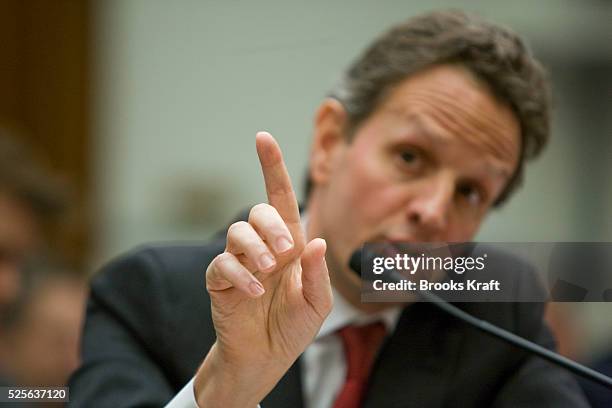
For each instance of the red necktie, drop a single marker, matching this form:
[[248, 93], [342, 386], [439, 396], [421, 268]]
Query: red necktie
[[360, 347]]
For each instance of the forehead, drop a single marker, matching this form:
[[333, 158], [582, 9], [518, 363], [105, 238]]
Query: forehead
[[453, 105]]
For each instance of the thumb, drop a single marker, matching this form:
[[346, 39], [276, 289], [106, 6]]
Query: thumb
[[316, 285]]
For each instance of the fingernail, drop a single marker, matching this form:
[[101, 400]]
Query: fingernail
[[256, 288], [283, 244], [266, 261]]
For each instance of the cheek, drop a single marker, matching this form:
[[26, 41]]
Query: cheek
[[461, 230], [367, 190]]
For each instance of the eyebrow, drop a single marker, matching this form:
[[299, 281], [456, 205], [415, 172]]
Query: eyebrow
[[422, 128]]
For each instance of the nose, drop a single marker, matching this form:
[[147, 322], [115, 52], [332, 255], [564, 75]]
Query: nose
[[429, 208]]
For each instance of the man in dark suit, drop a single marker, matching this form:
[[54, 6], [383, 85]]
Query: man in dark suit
[[428, 130]]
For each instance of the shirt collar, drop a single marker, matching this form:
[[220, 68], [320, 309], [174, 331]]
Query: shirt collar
[[344, 314]]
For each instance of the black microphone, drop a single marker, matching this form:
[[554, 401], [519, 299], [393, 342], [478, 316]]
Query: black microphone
[[355, 262]]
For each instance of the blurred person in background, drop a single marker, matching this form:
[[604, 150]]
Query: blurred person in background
[[31, 200], [40, 331], [39, 314]]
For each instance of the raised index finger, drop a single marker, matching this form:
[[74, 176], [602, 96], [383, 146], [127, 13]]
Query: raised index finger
[[278, 184]]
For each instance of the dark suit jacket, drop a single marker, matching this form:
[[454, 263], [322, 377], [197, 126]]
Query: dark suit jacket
[[598, 395], [148, 327]]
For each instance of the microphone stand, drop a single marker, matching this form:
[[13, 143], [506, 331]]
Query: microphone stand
[[497, 332]]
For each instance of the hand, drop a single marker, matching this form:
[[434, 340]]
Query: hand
[[269, 290]]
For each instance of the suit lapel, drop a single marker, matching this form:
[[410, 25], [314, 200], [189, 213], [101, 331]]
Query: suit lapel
[[417, 362], [288, 391]]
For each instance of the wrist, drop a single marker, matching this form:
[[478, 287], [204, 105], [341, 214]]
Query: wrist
[[219, 383]]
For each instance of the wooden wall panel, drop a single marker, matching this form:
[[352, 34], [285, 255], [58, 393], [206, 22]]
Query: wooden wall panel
[[44, 96]]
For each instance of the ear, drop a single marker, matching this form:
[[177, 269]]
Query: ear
[[329, 139]]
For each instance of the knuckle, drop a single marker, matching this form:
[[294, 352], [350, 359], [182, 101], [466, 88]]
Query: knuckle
[[281, 189], [220, 261], [298, 246], [328, 308], [326, 303], [330, 302], [236, 227], [208, 282], [257, 249], [258, 210], [213, 271]]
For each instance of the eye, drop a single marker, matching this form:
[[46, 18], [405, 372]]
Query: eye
[[471, 193], [410, 160], [409, 156]]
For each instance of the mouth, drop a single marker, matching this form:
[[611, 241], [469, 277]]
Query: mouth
[[393, 245], [393, 240]]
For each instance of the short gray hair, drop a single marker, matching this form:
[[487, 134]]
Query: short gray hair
[[495, 55]]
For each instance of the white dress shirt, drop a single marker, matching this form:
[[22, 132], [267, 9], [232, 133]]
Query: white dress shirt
[[323, 362]]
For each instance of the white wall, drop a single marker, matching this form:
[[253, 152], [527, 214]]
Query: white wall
[[182, 87]]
